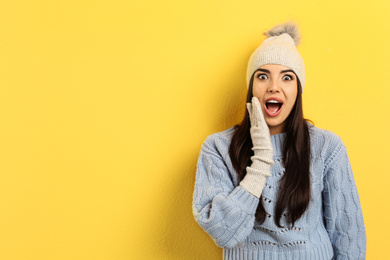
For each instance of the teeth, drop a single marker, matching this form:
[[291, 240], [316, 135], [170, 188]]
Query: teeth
[[274, 101]]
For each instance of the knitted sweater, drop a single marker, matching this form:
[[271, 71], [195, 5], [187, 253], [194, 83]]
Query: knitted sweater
[[331, 228]]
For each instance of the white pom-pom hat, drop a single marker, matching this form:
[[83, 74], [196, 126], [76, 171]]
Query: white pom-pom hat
[[279, 48]]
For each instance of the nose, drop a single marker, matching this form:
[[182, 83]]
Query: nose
[[273, 86]]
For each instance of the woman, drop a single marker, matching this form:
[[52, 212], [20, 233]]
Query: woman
[[275, 186]]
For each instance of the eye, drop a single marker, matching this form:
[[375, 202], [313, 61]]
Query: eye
[[287, 77], [262, 76]]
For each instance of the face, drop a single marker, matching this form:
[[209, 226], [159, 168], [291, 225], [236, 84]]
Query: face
[[276, 87]]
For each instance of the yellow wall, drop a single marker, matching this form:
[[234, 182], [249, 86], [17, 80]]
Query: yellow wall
[[104, 106]]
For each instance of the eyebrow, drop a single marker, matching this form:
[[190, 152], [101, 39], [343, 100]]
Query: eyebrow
[[269, 72]]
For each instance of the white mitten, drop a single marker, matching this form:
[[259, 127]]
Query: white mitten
[[262, 160]]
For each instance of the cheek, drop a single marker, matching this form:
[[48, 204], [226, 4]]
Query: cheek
[[259, 96], [292, 97], [258, 92], [291, 93]]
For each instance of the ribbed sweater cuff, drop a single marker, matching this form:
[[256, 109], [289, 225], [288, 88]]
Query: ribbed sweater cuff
[[248, 202]]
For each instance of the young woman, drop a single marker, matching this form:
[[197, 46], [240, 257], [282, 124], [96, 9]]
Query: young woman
[[275, 186]]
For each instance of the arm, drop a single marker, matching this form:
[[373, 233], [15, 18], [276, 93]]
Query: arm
[[225, 212], [342, 211], [262, 160]]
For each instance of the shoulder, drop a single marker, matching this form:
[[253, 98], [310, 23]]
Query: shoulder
[[325, 144], [215, 151], [323, 136], [218, 142]]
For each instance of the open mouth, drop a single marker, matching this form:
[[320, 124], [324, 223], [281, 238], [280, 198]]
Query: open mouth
[[273, 107]]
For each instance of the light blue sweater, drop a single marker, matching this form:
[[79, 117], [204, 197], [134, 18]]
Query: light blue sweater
[[331, 228]]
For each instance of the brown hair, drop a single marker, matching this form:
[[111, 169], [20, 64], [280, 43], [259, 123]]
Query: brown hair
[[294, 195]]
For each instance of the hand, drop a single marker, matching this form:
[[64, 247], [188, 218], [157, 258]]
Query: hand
[[261, 138], [262, 160]]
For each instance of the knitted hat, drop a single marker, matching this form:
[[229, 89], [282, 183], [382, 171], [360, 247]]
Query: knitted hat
[[279, 48]]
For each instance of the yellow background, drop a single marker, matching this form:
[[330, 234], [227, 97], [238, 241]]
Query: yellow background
[[104, 106]]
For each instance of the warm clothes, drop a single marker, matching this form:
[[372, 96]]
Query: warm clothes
[[332, 227], [279, 48], [262, 159]]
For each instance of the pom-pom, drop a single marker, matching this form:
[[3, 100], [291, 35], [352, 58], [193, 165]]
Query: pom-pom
[[289, 28]]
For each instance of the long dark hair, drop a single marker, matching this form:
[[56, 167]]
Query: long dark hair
[[294, 195]]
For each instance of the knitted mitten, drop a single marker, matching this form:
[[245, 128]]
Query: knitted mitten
[[262, 161]]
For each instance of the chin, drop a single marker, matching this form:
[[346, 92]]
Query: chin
[[275, 123]]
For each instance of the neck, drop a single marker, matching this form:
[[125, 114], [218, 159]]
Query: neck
[[274, 130]]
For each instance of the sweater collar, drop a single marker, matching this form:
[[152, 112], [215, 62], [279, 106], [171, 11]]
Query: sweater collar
[[277, 143]]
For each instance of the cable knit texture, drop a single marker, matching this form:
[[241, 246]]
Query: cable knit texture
[[331, 228]]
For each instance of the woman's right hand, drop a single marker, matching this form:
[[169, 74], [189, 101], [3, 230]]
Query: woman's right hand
[[260, 134], [262, 160]]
